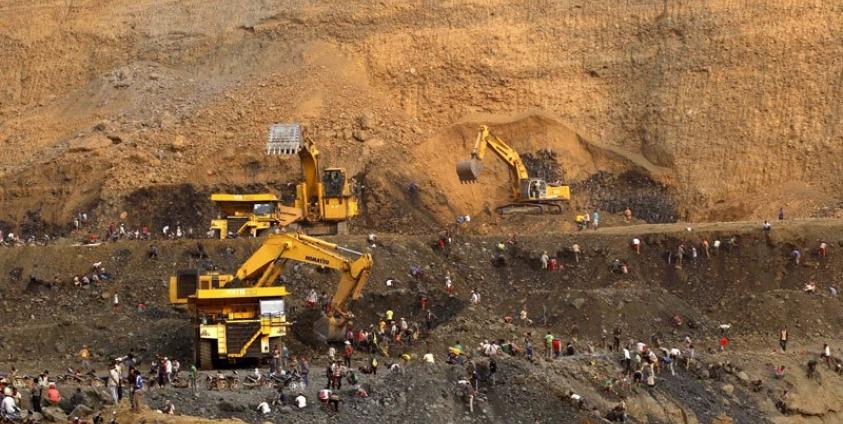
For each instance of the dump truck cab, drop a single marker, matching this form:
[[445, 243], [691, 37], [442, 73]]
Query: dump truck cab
[[244, 214]]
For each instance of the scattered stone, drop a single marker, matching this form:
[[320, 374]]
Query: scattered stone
[[179, 143], [727, 388], [366, 120]]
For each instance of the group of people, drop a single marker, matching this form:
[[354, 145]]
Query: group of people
[[43, 392], [11, 239], [589, 220]]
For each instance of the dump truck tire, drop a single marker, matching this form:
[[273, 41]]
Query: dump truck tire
[[206, 354]]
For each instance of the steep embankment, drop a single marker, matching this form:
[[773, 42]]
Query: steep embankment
[[740, 285]]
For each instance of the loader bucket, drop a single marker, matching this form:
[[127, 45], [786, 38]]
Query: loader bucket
[[469, 170], [284, 139]]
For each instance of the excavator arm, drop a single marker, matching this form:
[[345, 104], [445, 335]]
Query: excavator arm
[[287, 140], [267, 263], [309, 156], [469, 170]]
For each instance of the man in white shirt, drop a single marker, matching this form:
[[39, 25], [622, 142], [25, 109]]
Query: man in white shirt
[[263, 407], [114, 382], [8, 407], [168, 368], [301, 401], [826, 355], [627, 360], [475, 297]]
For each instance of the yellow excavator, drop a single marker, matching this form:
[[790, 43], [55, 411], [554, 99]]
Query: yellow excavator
[[532, 195], [325, 201], [244, 315], [323, 205]]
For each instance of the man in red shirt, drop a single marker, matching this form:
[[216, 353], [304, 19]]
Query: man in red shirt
[[346, 355], [557, 347]]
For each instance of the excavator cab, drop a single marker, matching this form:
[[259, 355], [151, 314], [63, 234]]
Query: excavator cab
[[333, 179], [535, 188]]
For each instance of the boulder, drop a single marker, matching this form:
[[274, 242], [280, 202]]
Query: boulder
[[179, 143], [366, 120], [81, 411], [361, 135], [578, 303], [54, 414], [728, 389]]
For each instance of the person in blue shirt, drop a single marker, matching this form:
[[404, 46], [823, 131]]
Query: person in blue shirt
[[137, 388]]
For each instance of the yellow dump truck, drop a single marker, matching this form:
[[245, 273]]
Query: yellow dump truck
[[250, 214], [244, 315]]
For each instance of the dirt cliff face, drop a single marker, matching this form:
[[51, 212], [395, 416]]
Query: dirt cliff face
[[736, 105]]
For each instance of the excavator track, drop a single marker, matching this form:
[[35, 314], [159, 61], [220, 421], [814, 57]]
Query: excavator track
[[531, 208]]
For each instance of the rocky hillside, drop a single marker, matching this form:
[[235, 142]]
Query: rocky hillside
[[735, 105]]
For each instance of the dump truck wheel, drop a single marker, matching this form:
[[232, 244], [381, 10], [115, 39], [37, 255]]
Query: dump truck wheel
[[206, 354]]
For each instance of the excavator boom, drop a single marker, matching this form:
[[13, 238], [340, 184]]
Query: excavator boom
[[266, 264], [469, 170]]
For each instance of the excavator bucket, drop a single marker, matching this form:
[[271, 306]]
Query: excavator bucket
[[469, 170], [287, 215], [284, 139], [329, 329]]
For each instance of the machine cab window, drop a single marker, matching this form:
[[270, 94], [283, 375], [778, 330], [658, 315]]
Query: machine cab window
[[333, 180], [263, 208]]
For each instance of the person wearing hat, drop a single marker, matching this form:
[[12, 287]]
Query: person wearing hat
[[53, 395], [8, 407]]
